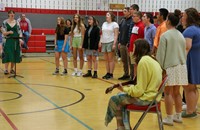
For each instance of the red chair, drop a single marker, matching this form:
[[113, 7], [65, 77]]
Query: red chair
[[153, 107]]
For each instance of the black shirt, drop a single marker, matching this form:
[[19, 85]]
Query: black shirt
[[62, 37]]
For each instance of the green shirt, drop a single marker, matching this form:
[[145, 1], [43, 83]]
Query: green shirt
[[149, 78], [171, 49]]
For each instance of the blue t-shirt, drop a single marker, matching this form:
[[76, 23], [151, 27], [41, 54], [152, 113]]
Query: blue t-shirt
[[149, 34]]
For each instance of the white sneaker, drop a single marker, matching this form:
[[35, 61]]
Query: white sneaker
[[168, 121], [85, 59], [79, 73], [177, 118], [119, 59], [74, 73]]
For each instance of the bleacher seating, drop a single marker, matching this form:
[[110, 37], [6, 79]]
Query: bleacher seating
[[37, 41]]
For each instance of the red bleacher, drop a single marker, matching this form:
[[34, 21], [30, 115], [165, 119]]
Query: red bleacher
[[37, 40]]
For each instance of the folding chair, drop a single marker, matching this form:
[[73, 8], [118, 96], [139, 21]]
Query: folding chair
[[153, 107]]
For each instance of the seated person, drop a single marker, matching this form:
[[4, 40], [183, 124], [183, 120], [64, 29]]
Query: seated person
[[149, 78], [26, 29]]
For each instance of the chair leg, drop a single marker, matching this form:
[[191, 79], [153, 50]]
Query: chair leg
[[160, 122]]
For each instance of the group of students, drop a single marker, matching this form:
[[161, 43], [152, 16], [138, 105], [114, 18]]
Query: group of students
[[166, 50]]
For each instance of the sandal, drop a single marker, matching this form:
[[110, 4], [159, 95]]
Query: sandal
[[185, 115]]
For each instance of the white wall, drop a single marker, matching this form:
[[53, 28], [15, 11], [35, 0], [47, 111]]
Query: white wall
[[145, 5]]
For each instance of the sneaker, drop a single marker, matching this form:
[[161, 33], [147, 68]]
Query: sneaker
[[60, 58], [119, 59], [94, 75], [79, 73], [168, 121], [185, 115], [64, 72], [6, 72], [124, 77], [110, 76], [12, 71], [105, 76], [74, 73], [89, 74], [85, 59], [56, 72], [177, 118]]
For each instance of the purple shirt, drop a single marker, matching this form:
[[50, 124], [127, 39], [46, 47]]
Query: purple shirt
[[149, 34]]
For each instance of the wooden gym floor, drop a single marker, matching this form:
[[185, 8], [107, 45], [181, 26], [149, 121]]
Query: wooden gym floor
[[42, 101]]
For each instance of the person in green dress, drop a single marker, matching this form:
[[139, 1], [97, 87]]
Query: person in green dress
[[11, 47]]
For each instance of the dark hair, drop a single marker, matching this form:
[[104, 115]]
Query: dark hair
[[135, 7], [150, 16], [94, 20], [192, 17], [174, 20], [155, 17], [69, 21], [142, 48], [163, 12], [112, 16], [11, 11], [177, 13], [127, 8]]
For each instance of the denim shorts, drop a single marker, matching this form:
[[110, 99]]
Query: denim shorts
[[91, 52], [60, 46], [107, 47]]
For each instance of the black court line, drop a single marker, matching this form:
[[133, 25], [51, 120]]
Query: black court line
[[44, 110], [15, 93]]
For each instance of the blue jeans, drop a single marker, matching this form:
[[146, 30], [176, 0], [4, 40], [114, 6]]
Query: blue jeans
[[26, 36]]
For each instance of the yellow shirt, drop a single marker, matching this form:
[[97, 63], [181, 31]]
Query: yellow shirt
[[149, 78], [160, 30]]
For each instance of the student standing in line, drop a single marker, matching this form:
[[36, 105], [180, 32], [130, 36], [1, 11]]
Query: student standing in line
[[110, 31], [191, 20], [171, 55], [90, 44], [77, 37], [61, 48], [68, 23]]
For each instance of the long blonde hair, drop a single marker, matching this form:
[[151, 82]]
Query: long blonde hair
[[79, 23]]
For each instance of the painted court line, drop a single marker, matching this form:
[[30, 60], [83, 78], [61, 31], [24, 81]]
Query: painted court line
[[8, 119], [61, 109]]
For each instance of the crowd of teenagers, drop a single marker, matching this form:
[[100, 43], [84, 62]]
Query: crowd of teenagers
[[149, 45]]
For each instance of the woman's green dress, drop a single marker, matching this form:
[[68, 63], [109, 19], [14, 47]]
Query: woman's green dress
[[11, 47]]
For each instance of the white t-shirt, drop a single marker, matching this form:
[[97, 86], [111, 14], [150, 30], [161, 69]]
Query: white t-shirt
[[76, 32], [108, 32]]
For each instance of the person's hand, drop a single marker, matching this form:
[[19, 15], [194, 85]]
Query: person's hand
[[63, 49], [119, 45], [21, 42], [10, 32], [100, 44], [113, 47], [56, 46]]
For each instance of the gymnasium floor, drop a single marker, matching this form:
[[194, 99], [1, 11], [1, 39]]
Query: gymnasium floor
[[42, 101]]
